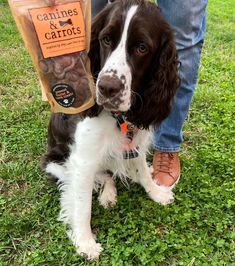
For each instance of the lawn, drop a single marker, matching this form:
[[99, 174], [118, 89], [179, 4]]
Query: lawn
[[198, 229]]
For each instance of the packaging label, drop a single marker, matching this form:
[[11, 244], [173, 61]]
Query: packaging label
[[63, 94], [60, 29]]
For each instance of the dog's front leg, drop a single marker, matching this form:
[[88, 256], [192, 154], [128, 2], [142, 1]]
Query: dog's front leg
[[76, 199], [77, 202], [142, 173]]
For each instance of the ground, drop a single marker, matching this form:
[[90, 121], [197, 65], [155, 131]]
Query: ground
[[198, 229]]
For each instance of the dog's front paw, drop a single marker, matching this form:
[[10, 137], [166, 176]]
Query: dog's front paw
[[162, 195], [108, 196], [85, 243], [89, 249]]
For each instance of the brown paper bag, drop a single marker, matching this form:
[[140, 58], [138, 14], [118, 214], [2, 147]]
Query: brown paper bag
[[57, 38]]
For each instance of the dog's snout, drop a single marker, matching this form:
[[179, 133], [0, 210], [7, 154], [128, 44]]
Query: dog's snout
[[110, 86]]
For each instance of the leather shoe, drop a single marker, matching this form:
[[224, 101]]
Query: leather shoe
[[166, 168]]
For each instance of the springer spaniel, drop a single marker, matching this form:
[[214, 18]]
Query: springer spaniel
[[134, 62]]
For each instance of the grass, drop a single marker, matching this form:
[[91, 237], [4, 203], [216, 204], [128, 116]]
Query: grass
[[198, 229]]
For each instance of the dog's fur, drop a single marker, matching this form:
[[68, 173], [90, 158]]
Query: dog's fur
[[134, 61]]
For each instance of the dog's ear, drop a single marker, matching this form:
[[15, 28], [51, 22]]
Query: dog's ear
[[161, 83], [98, 24]]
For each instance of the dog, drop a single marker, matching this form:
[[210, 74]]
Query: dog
[[134, 62]]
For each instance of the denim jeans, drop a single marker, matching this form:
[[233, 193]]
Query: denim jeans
[[97, 5], [188, 19]]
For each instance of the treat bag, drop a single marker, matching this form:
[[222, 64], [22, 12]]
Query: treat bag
[[57, 38]]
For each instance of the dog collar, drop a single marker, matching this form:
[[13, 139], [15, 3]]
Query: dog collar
[[129, 131]]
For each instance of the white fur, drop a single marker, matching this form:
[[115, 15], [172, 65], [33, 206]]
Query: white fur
[[108, 191], [118, 61], [97, 147]]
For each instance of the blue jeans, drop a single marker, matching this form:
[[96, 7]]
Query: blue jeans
[[188, 18], [97, 5]]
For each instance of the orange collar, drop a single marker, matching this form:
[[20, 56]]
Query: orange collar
[[129, 130]]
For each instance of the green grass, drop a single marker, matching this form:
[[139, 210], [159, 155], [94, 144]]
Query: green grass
[[198, 228]]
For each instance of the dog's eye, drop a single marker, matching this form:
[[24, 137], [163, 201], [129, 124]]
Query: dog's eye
[[141, 49], [107, 41]]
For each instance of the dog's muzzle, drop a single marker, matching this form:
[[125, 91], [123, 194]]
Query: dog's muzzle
[[109, 92]]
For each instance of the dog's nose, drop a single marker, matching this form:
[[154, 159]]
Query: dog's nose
[[110, 86]]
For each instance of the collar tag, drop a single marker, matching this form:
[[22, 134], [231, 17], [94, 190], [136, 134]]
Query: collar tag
[[129, 131]]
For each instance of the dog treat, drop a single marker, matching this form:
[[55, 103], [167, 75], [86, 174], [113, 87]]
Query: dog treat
[[57, 38]]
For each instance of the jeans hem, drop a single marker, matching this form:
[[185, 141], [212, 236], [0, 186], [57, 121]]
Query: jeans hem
[[164, 149]]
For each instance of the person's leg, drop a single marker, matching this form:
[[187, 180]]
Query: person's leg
[[97, 5], [188, 19]]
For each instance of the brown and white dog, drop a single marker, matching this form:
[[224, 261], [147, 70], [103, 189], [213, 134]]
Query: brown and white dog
[[134, 62]]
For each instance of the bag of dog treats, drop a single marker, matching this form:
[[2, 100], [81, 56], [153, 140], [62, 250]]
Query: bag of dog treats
[[57, 38]]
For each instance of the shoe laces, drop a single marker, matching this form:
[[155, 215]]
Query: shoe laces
[[164, 162]]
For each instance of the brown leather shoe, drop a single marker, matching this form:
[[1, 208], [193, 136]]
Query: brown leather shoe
[[166, 166]]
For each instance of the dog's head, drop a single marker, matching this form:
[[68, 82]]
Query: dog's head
[[134, 60]]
